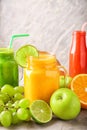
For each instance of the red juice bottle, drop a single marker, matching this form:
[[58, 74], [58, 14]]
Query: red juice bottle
[[78, 54]]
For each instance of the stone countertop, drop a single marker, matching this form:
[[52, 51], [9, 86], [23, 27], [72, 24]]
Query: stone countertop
[[79, 123]]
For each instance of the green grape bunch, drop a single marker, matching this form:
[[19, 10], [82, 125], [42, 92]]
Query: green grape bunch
[[14, 108]]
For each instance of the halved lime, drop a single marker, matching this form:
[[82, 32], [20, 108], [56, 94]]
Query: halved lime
[[23, 52], [40, 111]]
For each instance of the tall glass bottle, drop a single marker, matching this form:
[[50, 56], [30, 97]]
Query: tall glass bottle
[[78, 54]]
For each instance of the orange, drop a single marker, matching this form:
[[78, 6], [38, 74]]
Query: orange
[[79, 86]]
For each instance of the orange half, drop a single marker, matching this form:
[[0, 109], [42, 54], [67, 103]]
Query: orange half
[[79, 86]]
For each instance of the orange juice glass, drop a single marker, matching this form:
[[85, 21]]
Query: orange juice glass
[[41, 77]]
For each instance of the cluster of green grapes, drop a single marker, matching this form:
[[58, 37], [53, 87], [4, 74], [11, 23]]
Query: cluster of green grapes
[[14, 108]]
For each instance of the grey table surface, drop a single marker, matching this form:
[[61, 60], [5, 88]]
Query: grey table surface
[[79, 123]]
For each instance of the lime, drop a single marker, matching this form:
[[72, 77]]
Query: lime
[[40, 111], [23, 52]]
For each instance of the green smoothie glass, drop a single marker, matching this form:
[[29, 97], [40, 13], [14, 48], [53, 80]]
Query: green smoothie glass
[[8, 67]]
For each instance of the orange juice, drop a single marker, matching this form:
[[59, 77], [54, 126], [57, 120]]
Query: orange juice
[[41, 77]]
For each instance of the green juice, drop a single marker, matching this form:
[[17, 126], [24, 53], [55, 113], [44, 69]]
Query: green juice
[[8, 68]]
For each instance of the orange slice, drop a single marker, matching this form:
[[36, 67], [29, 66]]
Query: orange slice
[[79, 86]]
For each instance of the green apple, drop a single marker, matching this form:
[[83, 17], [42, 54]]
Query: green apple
[[65, 104]]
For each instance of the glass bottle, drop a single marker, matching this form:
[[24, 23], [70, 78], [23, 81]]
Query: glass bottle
[[78, 54]]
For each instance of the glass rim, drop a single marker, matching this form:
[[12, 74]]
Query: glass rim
[[6, 50], [44, 59]]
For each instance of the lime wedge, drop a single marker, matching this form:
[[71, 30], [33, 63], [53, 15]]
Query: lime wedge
[[40, 111], [23, 52]]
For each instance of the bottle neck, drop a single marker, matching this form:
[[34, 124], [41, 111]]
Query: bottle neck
[[78, 41]]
